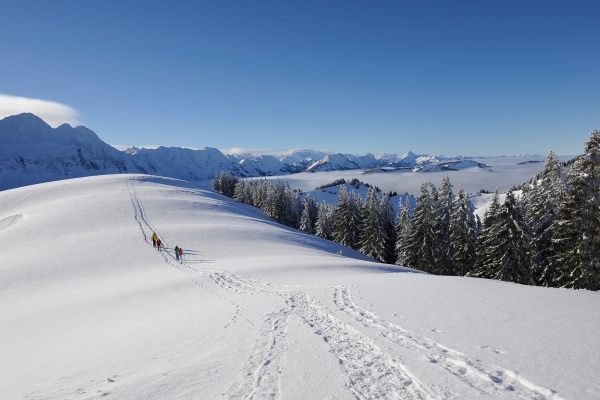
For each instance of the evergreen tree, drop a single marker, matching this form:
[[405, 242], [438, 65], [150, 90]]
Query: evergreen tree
[[486, 234], [342, 231], [324, 225], [264, 194], [269, 196], [356, 218], [444, 209], [288, 218], [238, 192], [421, 253], [463, 237], [248, 192], [576, 233], [403, 233], [277, 203], [296, 209], [388, 225], [372, 238], [309, 215], [544, 196], [507, 256], [231, 181], [223, 184], [216, 183]]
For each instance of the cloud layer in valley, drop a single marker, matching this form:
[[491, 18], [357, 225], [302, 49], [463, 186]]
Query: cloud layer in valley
[[53, 113]]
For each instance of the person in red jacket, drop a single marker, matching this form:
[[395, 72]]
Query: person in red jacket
[[158, 243], [180, 251]]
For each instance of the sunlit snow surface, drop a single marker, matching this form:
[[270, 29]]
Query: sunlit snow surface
[[89, 309]]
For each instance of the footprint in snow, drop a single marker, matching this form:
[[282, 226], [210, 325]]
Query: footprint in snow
[[492, 350], [436, 330]]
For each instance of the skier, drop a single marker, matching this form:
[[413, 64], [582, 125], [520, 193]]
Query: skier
[[154, 237], [177, 253], [158, 243], [180, 255]]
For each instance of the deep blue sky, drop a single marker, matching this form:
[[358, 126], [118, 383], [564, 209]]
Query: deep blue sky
[[444, 77]]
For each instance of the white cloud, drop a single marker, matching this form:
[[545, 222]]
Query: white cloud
[[53, 113]]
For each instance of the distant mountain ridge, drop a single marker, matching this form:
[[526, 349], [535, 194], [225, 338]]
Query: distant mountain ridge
[[34, 152]]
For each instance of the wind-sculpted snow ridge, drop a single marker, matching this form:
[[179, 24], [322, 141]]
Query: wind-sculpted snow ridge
[[485, 378], [371, 372]]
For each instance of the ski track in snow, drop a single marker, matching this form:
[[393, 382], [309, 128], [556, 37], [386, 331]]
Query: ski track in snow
[[485, 378], [371, 372]]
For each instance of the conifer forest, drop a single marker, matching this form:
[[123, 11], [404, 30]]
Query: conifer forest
[[545, 232]]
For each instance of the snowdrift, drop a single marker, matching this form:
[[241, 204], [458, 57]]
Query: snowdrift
[[88, 308]]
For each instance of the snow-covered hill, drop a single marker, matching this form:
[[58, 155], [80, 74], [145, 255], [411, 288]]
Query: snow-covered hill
[[89, 309]]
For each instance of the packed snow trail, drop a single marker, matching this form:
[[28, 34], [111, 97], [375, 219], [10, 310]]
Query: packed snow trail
[[371, 372], [485, 378]]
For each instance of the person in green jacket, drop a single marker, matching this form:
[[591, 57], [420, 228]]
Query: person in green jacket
[[177, 253]]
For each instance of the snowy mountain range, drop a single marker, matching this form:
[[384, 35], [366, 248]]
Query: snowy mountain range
[[34, 152]]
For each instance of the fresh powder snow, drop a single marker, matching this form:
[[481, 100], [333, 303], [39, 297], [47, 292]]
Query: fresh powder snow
[[256, 310]]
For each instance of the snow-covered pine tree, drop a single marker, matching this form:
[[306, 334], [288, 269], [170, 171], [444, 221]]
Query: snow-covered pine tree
[[265, 191], [248, 192], [256, 196], [269, 197], [325, 217], [507, 257], [403, 233], [576, 233], [276, 210], [372, 234], [216, 182], [463, 236], [238, 192], [231, 184], [544, 196], [420, 251], [444, 208], [296, 209], [291, 206], [486, 235], [342, 231], [386, 210], [309, 215], [356, 205], [223, 184]]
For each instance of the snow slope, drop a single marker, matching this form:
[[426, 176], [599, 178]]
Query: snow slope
[[88, 309]]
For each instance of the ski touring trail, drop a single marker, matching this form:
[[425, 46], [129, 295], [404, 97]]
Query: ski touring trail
[[371, 372]]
